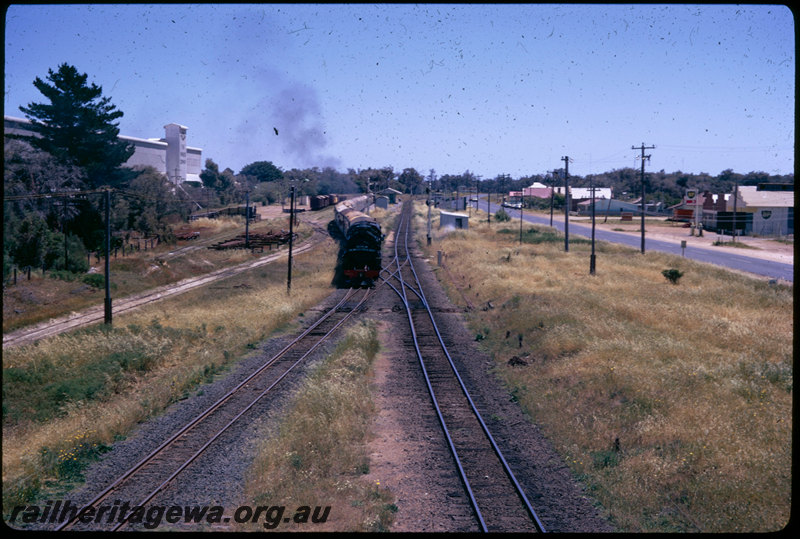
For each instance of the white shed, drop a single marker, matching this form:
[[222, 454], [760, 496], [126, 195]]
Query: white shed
[[453, 220]]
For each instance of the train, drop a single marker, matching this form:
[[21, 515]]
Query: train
[[228, 211], [319, 202], [361, 253]]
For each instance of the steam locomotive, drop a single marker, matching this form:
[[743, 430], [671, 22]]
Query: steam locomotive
[[361, 256]]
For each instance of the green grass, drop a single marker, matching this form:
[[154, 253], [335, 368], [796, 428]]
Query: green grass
[[320, 455], [92, 386]]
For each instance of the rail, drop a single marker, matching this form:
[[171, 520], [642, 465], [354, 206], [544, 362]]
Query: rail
[[404, 230]]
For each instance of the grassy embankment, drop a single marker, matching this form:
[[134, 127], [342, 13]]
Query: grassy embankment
[[45, 297], [67, 398], [671, 403]]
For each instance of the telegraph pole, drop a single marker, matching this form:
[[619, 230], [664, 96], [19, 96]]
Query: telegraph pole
[[430, 187], [594, 202], [247, 220], [643, 148], [521, 207], [566, 202], [107, 314], [488, 206], [735, 198], [291, 240], [552, 196]]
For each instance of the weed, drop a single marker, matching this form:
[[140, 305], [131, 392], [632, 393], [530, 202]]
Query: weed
[[96, 280], [672, 275]]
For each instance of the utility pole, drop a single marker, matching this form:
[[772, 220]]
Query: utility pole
[[64, 229], [594, 202], [521, 207], [291, 240], [107, 314], [566, 202], [488, 206], [247, 220], [430, 187], [735, 198], [552, 196], [643, 148]]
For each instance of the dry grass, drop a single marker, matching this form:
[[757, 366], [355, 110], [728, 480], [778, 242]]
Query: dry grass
[[29, 302], [673, 404], [149, 359], [320, 455]]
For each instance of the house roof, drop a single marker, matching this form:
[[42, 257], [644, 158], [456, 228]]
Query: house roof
[[586, 192], [537, 185], [750, 196]]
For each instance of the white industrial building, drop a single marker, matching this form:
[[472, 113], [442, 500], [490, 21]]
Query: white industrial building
[[169, 155]]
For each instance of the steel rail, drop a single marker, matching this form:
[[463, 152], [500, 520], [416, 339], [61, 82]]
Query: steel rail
[[537, 523], [445, 430], [219, 433], [208, 411]]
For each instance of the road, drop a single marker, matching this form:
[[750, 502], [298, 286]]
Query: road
[[758, 266]]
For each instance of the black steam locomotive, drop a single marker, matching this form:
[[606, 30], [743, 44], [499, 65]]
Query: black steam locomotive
[[361, 257]]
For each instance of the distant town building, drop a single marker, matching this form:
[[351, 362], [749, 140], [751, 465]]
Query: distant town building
[[771, 205], [391, 194], [169, 155], [609, 207], [536, 189], [585, 193]]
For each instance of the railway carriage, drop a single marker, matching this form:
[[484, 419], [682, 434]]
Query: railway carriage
[[361, 257]]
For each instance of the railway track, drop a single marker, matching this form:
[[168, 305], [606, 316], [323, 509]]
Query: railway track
[[498, 501], [96, 314], [155, 473]]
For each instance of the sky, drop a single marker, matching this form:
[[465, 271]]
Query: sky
[[486, 88]]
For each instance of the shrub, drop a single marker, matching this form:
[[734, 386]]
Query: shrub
[[501, 215], [672, 275], [63, 275], [96, 280]]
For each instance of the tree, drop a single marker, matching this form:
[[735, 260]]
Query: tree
[[265, 171], [211, 176], [411, 180], [154, 201], [35, 244], [77, 126]]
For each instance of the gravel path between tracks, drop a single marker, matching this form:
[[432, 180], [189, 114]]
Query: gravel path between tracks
[[408, 450]]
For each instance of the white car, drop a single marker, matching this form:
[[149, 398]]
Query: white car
[[515, 205]]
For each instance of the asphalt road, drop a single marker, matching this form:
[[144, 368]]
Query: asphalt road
[[766, 268]]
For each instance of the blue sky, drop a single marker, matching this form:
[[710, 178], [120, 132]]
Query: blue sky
[[494, 89]]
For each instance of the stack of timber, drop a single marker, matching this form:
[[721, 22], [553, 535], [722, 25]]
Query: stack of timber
[[256, 240]]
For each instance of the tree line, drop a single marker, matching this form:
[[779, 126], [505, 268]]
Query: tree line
[[53, 214]]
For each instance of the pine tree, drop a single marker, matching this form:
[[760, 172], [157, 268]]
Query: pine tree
[[77, 126]]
